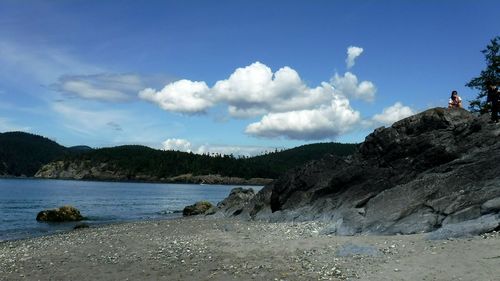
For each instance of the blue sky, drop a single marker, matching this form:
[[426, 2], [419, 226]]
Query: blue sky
[[232, 76]]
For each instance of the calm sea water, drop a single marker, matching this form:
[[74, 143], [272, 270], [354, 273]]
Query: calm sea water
[[100, 202]]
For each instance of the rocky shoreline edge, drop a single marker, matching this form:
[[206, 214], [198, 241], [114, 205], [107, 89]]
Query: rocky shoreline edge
[[198, 248], [51, 171]]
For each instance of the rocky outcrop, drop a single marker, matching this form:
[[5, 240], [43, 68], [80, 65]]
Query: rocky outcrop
[[217, 179], [79, 170], [61, 214], [198, 208], [433, 170], [237, 200]]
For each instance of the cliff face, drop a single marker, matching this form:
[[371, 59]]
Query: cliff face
[[80, 170], [431, 171]]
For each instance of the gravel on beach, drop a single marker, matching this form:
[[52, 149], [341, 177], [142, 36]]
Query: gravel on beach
[[224, 249]]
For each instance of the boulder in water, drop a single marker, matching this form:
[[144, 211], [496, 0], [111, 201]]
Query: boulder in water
[[61, 214], [198, 208]]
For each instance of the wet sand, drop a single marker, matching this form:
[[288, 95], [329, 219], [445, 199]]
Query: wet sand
[[222, 249]]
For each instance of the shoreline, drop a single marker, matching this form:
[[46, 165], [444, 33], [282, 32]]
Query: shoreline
[[91, 224], [8, 177], [227, 249]]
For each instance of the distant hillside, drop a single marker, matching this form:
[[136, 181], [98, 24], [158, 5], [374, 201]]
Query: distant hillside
[[134, 162], [23, 153]]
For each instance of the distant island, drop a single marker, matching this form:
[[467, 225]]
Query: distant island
[[28, 155]]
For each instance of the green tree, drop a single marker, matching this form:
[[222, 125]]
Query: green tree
[[490, 74]]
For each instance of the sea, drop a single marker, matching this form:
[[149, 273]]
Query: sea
[[99, 202]]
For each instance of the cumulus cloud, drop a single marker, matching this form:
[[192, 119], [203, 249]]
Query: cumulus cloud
[[250, 91], [285, 104], [255, 90], [182, 96], [104, 87], [393, 113], [186, 146], [321, 123], [177, 145], [349, 86], [352, 53]]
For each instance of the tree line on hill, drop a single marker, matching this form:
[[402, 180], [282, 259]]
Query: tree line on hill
[[136, 159], [23, 154]]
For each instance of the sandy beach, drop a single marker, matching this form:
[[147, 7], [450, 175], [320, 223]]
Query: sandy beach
[[222, 249]]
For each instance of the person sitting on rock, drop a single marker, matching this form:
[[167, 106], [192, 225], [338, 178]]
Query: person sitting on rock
[[494, 99], [455, 100]]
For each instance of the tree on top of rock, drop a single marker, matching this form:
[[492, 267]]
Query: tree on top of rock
[[490, 74]]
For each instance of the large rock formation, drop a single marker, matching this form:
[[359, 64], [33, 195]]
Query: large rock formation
[[437, 169]]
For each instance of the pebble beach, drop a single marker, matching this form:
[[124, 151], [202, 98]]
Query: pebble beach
[[224, 249]]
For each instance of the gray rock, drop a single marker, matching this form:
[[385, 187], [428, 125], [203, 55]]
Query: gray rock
[[329, 229], [480, 225], [466, 214], [349, 223], [429, 170], [490, 206], [234, 204]]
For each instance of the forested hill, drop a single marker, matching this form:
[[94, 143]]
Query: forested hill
[[135, 160], [276, 163], [22, 154]]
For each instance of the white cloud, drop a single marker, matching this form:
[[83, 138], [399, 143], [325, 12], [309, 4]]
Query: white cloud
[[325, 122], [250, 91], [182, 96], [88, 91], [349, 86], [286, 105], [352, 53], [255, 90], [186, 146], [90, 122], [393, 113], [177, 144], [104, 87]]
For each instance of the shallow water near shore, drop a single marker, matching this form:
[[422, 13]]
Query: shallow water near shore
[[99, 202]]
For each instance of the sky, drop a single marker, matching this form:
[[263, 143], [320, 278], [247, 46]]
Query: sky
[[238, 76]]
